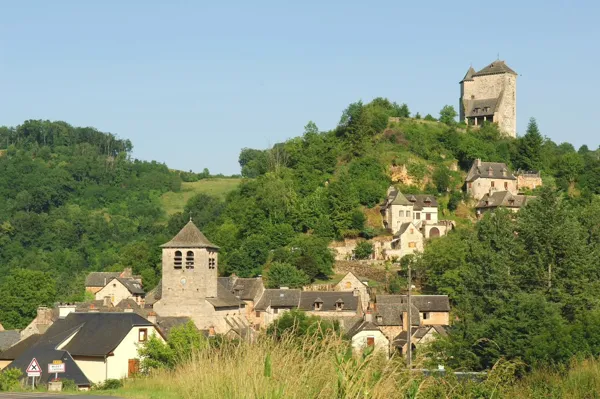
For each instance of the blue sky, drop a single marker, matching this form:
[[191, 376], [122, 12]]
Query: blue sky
[[191, 82]]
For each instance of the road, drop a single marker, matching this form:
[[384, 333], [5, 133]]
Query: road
[[41, 395]]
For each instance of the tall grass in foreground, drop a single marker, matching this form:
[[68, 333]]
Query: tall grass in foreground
[[306, 368]]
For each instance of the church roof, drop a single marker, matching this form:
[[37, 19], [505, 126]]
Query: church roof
[[190, 237], [496, 67], [469, 75]]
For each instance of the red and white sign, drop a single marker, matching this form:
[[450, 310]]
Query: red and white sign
[[34, 369]]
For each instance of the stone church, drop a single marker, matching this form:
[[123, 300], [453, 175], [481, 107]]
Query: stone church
[[490, 95], [190, 288]]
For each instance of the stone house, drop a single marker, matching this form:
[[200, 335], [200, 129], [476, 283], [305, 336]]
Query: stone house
[[331, 304], [420, 336], [121, 288], [248, 290], [407, 240], [94, 346], [95, 281], [400, 209], [501, 199], [487, 177], [351, 283], [44, 319], [490, 95], [273, 303], [391, 318], [189, 284]]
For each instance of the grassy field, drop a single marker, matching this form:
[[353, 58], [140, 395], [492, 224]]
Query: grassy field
[[175, 202]]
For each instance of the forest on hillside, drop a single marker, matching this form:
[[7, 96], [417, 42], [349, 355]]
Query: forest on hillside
[[75, 201]]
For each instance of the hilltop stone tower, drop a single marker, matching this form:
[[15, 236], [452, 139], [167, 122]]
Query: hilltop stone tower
[[490, 95], [189, 274]]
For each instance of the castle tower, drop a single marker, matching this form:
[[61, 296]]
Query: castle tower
[[490, 95], [189, 273]]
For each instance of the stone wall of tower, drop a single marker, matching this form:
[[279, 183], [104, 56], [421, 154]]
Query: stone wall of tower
[[506, 110], [184, 289], [466, 90]]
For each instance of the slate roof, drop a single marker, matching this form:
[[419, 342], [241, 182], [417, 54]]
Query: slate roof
[[281, 298], [189, 237], [17, 349], [328, 300], [45, 353], [128, 303], [481, 106], [504, 199], [482, 171], [496, 67], [424, 303], [468, 75], [154, 295], [8, 338], [417, 334], [418, 201], [362, 325], [224, 299], [98, 334], [132, 285], [100, 279], [246, 288], [398, 199], [391, 314]]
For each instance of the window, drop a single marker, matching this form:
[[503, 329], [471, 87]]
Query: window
[[339, 305], [114, 286], [318, 305], [401, 213], [189, 260], [257, 313], [275, 310], [412, 244], [425, 316], [379, 319], [178, 259], [142, 334], [408, 213], [470, 185], [428, 216], [417, 215], [212, 263], [506, 185], [348, 284], [412, 231], [493, 184], [370, 341]]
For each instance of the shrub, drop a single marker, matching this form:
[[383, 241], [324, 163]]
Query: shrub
[[68, 385], [363, 250], [9, 379], [110, 384]]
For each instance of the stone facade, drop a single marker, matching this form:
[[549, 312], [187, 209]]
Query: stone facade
[[528, 179], [488, 177], [490, 95], [352, 283]]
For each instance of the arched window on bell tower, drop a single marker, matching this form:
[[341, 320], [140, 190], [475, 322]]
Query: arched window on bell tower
[[189, 260], [178, 261]]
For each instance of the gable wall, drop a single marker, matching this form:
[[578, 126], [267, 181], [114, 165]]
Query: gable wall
[[115, 290]]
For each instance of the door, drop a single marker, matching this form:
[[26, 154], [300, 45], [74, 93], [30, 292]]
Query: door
[[370, 341], [134, 367], [434, 232]]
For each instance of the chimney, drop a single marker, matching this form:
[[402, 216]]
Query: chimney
[[127, 272], [128, 309], [151, 317], [107, 302], [44, 315], [478, 162], [65, 310], [369, 316], [93, 309]]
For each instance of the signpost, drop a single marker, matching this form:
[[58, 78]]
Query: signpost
[[34, 370], [56, 367]]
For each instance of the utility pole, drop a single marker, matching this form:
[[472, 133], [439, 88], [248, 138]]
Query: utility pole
[[409, 338]]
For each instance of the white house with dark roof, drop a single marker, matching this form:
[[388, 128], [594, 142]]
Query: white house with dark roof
[[488, 177], [121, 288], [95, 281], [501, 199]]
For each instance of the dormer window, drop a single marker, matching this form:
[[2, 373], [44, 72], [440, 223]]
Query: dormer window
[[189, 260], [379, 319], [504, 171], [339, 305], [318, 304], [490, 171], [178, 261]]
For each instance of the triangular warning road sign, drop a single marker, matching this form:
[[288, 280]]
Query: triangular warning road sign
[[34, 366]]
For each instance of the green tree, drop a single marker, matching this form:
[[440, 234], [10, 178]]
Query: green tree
[[363, 250], [448, 115], [298, 324], [285, 275], [529, 147]]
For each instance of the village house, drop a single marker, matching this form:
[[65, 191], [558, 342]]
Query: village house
[[412, 218], [95, 281], [351, 283], [488, 177], [121, 288], [94, 346], [273, 303], [430, 314], [501, 199], [528, 179]]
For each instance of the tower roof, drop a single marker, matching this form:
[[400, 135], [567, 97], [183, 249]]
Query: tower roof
[[469, 75], [189, 237], [496, 67]]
